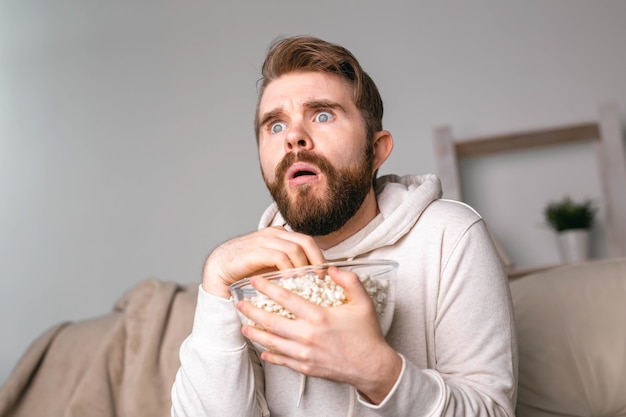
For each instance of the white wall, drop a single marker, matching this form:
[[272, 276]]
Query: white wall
[[126, 142]]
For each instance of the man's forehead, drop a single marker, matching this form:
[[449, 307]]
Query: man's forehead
[[301, 88]]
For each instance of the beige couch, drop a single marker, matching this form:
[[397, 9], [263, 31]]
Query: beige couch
[[571, 325]]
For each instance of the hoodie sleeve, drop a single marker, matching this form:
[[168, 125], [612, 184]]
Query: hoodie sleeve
[[220, 374], [476, 355]]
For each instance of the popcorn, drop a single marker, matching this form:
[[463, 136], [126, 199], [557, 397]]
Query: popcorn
[[322, 291]]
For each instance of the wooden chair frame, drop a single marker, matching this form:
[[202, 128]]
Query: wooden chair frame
[[609, 148]]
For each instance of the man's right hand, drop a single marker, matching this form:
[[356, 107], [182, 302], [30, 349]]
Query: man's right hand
[[262, 251]]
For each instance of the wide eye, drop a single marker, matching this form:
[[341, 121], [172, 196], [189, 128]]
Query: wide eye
[[323, 117], [277, 127]]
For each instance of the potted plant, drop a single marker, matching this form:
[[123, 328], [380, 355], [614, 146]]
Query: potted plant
[[572, 221]]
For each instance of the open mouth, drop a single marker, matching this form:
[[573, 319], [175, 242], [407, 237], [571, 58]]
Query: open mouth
[[301, 172]]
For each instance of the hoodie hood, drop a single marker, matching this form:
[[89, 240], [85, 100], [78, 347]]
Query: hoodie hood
[[401, 201]]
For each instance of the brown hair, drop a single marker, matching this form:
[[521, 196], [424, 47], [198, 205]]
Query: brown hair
[[306, 53]]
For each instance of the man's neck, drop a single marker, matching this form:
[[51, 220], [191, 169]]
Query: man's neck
[[364, 215]]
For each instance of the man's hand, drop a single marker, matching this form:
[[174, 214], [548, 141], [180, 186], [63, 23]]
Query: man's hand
[[343, 343], [261, 251]]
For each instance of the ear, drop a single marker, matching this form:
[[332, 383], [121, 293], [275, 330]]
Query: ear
[[383, 144]]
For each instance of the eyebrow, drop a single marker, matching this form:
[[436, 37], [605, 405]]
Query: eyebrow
[[270, 115], [311, 104], [323, 104]]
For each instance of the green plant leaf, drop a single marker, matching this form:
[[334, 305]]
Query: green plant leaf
[[568, 214]]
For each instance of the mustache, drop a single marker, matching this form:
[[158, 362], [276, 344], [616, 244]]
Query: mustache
[[289, 159]]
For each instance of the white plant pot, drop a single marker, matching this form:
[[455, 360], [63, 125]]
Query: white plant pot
[[574, 245]]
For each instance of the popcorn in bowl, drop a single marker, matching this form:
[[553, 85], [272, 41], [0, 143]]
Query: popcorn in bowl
[[315, 285]]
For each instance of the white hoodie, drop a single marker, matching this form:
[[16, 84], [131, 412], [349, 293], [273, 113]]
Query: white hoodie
[[453, 324]]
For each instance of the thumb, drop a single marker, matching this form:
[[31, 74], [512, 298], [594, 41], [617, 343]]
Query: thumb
[[350, 282]]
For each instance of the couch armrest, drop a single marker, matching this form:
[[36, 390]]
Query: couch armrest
[[571, 324]]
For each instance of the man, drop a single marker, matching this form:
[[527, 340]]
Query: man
[[451, 348]]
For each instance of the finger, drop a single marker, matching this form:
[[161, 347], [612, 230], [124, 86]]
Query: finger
[[271, 314], [292, 362], [292, 302], [262, 316], [350, 283], [279, 250], [284, 351], [275, 333], [255, 253], [357, 295], [274, 343], [305, 245]]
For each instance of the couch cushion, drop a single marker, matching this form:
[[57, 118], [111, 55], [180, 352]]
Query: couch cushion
[[571, 324]]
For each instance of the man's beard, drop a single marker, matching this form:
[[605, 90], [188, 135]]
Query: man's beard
[[321, 215]]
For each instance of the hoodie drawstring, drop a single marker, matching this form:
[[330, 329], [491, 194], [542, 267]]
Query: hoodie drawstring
[[352, 402], [302, 388], [351, 405]]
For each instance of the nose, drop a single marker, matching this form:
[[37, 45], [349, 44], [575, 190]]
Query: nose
[[297, 138]]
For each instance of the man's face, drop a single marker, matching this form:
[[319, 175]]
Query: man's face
[[314, 155]]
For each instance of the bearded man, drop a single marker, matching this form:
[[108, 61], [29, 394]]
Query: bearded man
[[451, 348]]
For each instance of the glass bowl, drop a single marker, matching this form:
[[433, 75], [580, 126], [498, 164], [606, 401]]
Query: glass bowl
[[314, 284]]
